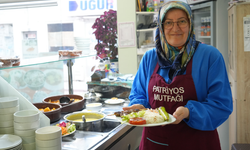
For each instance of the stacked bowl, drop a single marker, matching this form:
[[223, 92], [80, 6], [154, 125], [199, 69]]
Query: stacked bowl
[[10, 142], [26, 122], [83, 44], [49, 138], [8, 106]]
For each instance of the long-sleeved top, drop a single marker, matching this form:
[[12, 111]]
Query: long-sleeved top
[[214, 104]]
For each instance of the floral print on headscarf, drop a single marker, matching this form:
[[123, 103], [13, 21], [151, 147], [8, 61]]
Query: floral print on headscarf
[[168, 55]]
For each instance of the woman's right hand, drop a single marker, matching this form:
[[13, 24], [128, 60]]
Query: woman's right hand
[[135, 106]]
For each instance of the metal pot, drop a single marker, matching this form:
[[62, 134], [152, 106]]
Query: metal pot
[[91, 96], [82, 122]]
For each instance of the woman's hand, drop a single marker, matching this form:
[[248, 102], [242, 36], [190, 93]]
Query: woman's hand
[[180, 114], [135, 106]]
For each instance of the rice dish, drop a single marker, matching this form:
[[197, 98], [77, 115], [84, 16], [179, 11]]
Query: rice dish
[[153, 116]]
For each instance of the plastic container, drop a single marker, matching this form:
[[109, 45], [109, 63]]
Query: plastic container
[[150, 6]]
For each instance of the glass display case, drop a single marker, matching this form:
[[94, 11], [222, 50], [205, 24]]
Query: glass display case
[[41, 77]]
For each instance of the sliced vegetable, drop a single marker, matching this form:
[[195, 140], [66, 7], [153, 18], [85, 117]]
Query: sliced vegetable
[[137, 121], [126, 118], [67, 128], [163, 113]]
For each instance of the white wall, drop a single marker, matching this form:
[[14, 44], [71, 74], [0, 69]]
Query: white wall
[[222, 46]]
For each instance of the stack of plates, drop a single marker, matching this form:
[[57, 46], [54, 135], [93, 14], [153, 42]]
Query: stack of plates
[[8, 106], [25, 124], [83, 44], [10, 142], [49, 138]]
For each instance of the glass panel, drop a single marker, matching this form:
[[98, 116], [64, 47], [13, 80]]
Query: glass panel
[[202, 27]]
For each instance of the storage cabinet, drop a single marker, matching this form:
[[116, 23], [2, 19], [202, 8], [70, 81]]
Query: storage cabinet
[[239, 74], [131, 56]]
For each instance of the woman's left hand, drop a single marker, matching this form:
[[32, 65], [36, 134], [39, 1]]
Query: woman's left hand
[[180, 114]]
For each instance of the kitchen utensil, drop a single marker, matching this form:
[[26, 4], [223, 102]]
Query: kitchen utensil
[[48, 133], [54, 115], [94, 120], [94, 106], [26, 115], [91, 96], [64, 99], [76, 105]]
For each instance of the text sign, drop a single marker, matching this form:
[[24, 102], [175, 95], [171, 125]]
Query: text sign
[[90, 7]]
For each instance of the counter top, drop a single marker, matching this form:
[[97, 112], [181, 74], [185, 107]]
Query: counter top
[[87, 140]]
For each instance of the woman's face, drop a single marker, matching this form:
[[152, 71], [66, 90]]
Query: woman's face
[[176, 36]]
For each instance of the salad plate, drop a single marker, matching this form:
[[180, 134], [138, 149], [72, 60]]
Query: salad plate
[[69, 133], [171, 120], [67, 128]]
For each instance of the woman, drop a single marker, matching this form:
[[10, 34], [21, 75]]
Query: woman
[[188, 78]]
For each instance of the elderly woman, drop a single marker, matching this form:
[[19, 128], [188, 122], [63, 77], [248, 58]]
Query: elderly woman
[[192, 84]]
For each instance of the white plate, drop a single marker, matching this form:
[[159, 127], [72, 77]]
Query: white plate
[[17, 79], [114, 101], [171, 120], [69, 134], [53, 79], [8, 141]]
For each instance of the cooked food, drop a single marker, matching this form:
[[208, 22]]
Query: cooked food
[[47, 109], [58, 102], [153, 116], [148, 116], [163, 113], [126, 112]]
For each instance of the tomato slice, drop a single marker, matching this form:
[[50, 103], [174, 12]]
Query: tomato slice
[[137, 121]]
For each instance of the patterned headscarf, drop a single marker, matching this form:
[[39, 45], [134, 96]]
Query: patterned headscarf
[[169, 55]]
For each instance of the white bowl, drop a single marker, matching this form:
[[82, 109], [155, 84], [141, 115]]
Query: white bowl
[[4, 124], [26, 125], [48, 133], [10, 110], [30, 146], [49, 143], [28, 139], [8, 102], [28, 132], [57, 147], [26, 115], [94, 106], [7, 130], [6, 117]]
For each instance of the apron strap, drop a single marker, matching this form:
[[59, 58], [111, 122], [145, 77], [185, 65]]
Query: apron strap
[[189, 67], [156, 68]]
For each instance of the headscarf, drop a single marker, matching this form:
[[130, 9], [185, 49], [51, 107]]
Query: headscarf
[[170, 56]]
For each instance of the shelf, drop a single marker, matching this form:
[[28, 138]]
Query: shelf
[[146, 13], [204, 37], [44, 60], [146, 30]]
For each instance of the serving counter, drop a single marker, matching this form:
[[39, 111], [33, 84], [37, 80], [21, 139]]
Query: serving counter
[[112, 136]]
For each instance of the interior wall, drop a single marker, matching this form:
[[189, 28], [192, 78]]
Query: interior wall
[[222, 46]]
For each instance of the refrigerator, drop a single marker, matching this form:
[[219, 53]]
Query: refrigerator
[[211, 27], [204, 15]]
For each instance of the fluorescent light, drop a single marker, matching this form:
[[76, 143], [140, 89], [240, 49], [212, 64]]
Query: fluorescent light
[[21, 5]]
